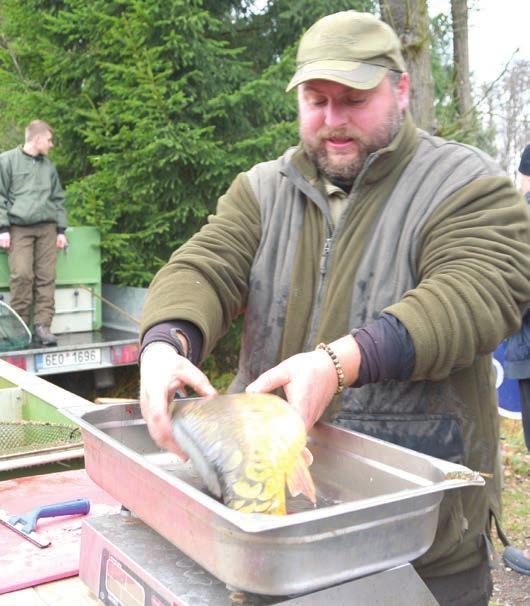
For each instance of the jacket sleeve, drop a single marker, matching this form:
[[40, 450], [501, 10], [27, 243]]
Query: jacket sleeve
[[206, 280], [5, 181], [474, 278], [58, 199]]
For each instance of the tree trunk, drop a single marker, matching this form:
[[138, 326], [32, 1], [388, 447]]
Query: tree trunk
[[509, 104], [463, 99], [410, 20]]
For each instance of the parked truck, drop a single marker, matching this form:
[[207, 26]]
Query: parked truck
[[95, 323]]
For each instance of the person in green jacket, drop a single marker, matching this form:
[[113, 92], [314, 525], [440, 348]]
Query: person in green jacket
[[377, 266], [32, 227]]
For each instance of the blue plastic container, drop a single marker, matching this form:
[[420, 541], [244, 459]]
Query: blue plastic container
[[507, 389]]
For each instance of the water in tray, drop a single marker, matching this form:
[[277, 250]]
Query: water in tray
[[301, 503]]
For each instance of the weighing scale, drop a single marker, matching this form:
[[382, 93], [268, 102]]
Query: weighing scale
[[126, 563]]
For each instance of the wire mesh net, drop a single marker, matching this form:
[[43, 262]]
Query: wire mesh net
[[14, 334], [23, 437]]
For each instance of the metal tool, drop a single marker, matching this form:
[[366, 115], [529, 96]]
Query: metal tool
[[26, 523]]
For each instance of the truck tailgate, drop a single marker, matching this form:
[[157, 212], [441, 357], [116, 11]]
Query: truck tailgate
[[103, 348]]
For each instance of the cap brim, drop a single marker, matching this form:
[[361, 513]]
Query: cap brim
[[353, 74]]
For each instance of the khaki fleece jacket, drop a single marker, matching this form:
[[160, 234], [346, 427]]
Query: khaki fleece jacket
[[30, 190], [433, 234]]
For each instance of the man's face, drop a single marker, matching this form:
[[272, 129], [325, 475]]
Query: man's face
[[341, 126], [43, 143]]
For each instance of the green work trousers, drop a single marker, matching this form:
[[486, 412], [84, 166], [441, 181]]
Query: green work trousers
[[32, 260]]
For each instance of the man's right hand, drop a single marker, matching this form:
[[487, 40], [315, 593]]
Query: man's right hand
[[163, 372], [5, 239]]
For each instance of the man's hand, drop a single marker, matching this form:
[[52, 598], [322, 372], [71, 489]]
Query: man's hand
[[61, 241], [310, 379], [5, 239], [163, 372]]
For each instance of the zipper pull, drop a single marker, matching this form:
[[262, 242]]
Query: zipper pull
[[325, 256]]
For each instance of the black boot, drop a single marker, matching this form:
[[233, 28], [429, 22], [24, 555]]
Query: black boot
[[44, 336]]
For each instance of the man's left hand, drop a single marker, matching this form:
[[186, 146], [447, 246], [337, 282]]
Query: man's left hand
[[62, 242], [310, 379]]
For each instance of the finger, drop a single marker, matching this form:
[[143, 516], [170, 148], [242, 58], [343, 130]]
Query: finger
[[310, 401], [155, 412], [157, 394], [197, 380], [298, 403], [270, 380], [154, 407]]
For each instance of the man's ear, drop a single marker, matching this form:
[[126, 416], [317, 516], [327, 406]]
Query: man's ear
[[403, 91]]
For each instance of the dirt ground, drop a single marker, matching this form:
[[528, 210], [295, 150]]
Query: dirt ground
[[510, 588]]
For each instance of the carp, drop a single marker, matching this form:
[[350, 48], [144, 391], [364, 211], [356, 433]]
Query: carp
[[246, 448]]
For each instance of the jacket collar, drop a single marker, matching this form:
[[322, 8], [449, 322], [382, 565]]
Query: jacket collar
[[39, 157]]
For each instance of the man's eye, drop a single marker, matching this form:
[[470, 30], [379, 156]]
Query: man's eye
[[356, 101], [317, 101]]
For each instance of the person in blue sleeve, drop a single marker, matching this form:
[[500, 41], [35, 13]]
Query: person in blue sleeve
[[517, 366]]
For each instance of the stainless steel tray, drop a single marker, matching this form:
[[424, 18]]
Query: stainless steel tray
[[377, 505]]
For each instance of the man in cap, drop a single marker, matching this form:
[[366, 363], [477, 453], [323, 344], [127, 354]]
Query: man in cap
[[377, 267], [518, 347], [517, 366], [32, 226]]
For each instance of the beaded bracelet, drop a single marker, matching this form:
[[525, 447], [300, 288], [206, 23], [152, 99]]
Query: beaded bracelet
[[336, 363]]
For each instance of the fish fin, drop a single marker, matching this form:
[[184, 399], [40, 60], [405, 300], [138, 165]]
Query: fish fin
[[307, 456], [299, 481]]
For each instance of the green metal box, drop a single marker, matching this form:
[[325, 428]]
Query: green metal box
[[78, 283]]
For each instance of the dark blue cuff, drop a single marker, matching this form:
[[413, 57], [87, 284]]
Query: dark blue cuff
[[167, 333], [387, 351]]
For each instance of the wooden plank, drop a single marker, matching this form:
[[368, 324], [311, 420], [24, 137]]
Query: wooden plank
[[67, 592], [16, 598]]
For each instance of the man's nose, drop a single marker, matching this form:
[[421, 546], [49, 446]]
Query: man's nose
[[336, 114]]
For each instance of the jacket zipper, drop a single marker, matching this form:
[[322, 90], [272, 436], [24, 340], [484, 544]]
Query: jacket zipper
[[324, 259], [324, 262]]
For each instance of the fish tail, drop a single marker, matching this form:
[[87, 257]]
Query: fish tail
[[299, 480]]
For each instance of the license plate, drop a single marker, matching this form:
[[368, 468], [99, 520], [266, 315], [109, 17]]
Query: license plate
[[75, 358]]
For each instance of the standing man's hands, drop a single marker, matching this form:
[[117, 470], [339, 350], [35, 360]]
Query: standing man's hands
[[310, 379], [5, 240], [163, 372], [61, 242]]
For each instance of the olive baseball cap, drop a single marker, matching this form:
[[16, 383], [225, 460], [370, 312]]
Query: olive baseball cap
[[351, 48]]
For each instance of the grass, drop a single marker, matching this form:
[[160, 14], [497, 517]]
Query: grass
[[516, 493], [516, 515]]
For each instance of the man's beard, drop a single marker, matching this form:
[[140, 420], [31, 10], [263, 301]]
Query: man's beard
[[366, 145]]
